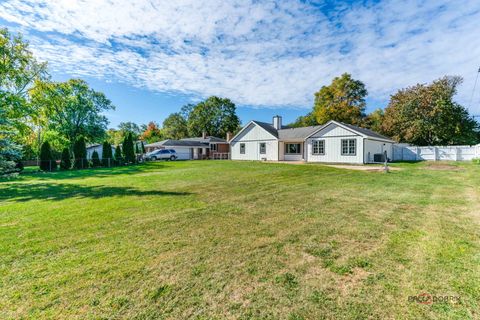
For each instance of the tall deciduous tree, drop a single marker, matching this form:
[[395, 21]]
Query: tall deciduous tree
[[18, 70], [426, 114], [343, 100], [175, 126], [374, 120], [216, 116], [73, 108], [125, 128], [304, 121]]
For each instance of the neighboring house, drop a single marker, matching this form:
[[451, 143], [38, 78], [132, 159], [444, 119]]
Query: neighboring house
[[205, 147], [333, 142], [96, 147]]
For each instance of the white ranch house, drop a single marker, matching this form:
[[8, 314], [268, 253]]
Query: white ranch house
[[333, 142]]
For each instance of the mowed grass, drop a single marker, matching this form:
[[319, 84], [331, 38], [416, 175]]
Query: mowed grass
[[240, 240]]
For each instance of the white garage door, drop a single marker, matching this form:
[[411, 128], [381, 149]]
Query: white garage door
[[183, 153]]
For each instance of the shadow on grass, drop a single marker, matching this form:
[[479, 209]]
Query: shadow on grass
[[93, 172], [58, 191]]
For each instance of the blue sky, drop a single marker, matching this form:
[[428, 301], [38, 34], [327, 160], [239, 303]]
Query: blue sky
[[151, 57]]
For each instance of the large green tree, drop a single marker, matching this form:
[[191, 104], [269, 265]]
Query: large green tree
[[175, 126], [304, 121], [426, 114], [343, 100], [73, 108], [374, 120], [216, 116], [18, 70], [129, 127]]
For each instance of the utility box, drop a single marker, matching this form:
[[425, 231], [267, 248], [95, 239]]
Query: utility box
[[379, 157]]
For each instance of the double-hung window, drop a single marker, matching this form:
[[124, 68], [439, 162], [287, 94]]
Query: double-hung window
[[349, 147], [263, 148], [242, 148], [213, 147], [318, 147]]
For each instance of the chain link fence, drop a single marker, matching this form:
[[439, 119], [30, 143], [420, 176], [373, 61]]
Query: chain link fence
[[81, 163]]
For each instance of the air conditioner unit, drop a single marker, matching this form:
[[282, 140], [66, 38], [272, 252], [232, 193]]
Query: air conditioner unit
[[378, 157]]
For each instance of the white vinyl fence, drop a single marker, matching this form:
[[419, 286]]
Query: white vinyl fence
[[404, 152]]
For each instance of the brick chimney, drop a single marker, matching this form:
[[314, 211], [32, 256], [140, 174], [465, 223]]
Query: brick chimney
[[229, 136], [204, 134], [277, 122]]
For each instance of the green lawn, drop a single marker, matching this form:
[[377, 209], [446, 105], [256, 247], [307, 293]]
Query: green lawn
[[240, 240]]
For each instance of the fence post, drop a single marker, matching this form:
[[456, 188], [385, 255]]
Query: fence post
[[435, 153], [109, 162], [50, 164]]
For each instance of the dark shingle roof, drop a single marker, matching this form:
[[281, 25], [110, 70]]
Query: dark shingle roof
[[297, 133], [268, 127], [304, 132], [367, 132], [287, 132]]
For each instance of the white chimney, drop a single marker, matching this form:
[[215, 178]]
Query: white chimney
[[277, 122], [204, 134]]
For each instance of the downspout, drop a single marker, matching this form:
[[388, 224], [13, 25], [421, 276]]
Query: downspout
[[363, 153]]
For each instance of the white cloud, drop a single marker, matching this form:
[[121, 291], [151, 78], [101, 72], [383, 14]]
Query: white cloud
[[257, 53]]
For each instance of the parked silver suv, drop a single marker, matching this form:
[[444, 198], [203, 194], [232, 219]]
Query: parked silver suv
[[162, 154]]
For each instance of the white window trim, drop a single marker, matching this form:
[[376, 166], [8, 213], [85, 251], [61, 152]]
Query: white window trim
[[318, 153], [348, 153], [264, 148], [242, 146]]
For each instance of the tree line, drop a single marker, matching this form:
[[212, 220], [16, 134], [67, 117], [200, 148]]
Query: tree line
[[423, 114], [41, 118], [215, 116]]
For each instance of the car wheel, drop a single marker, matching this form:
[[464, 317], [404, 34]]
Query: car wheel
[[173, 158], [154, 158]]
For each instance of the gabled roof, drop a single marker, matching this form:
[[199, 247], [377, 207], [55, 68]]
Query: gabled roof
[[361, 131], [367, 132], [284, 133], [267, 127], [303, 133]]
